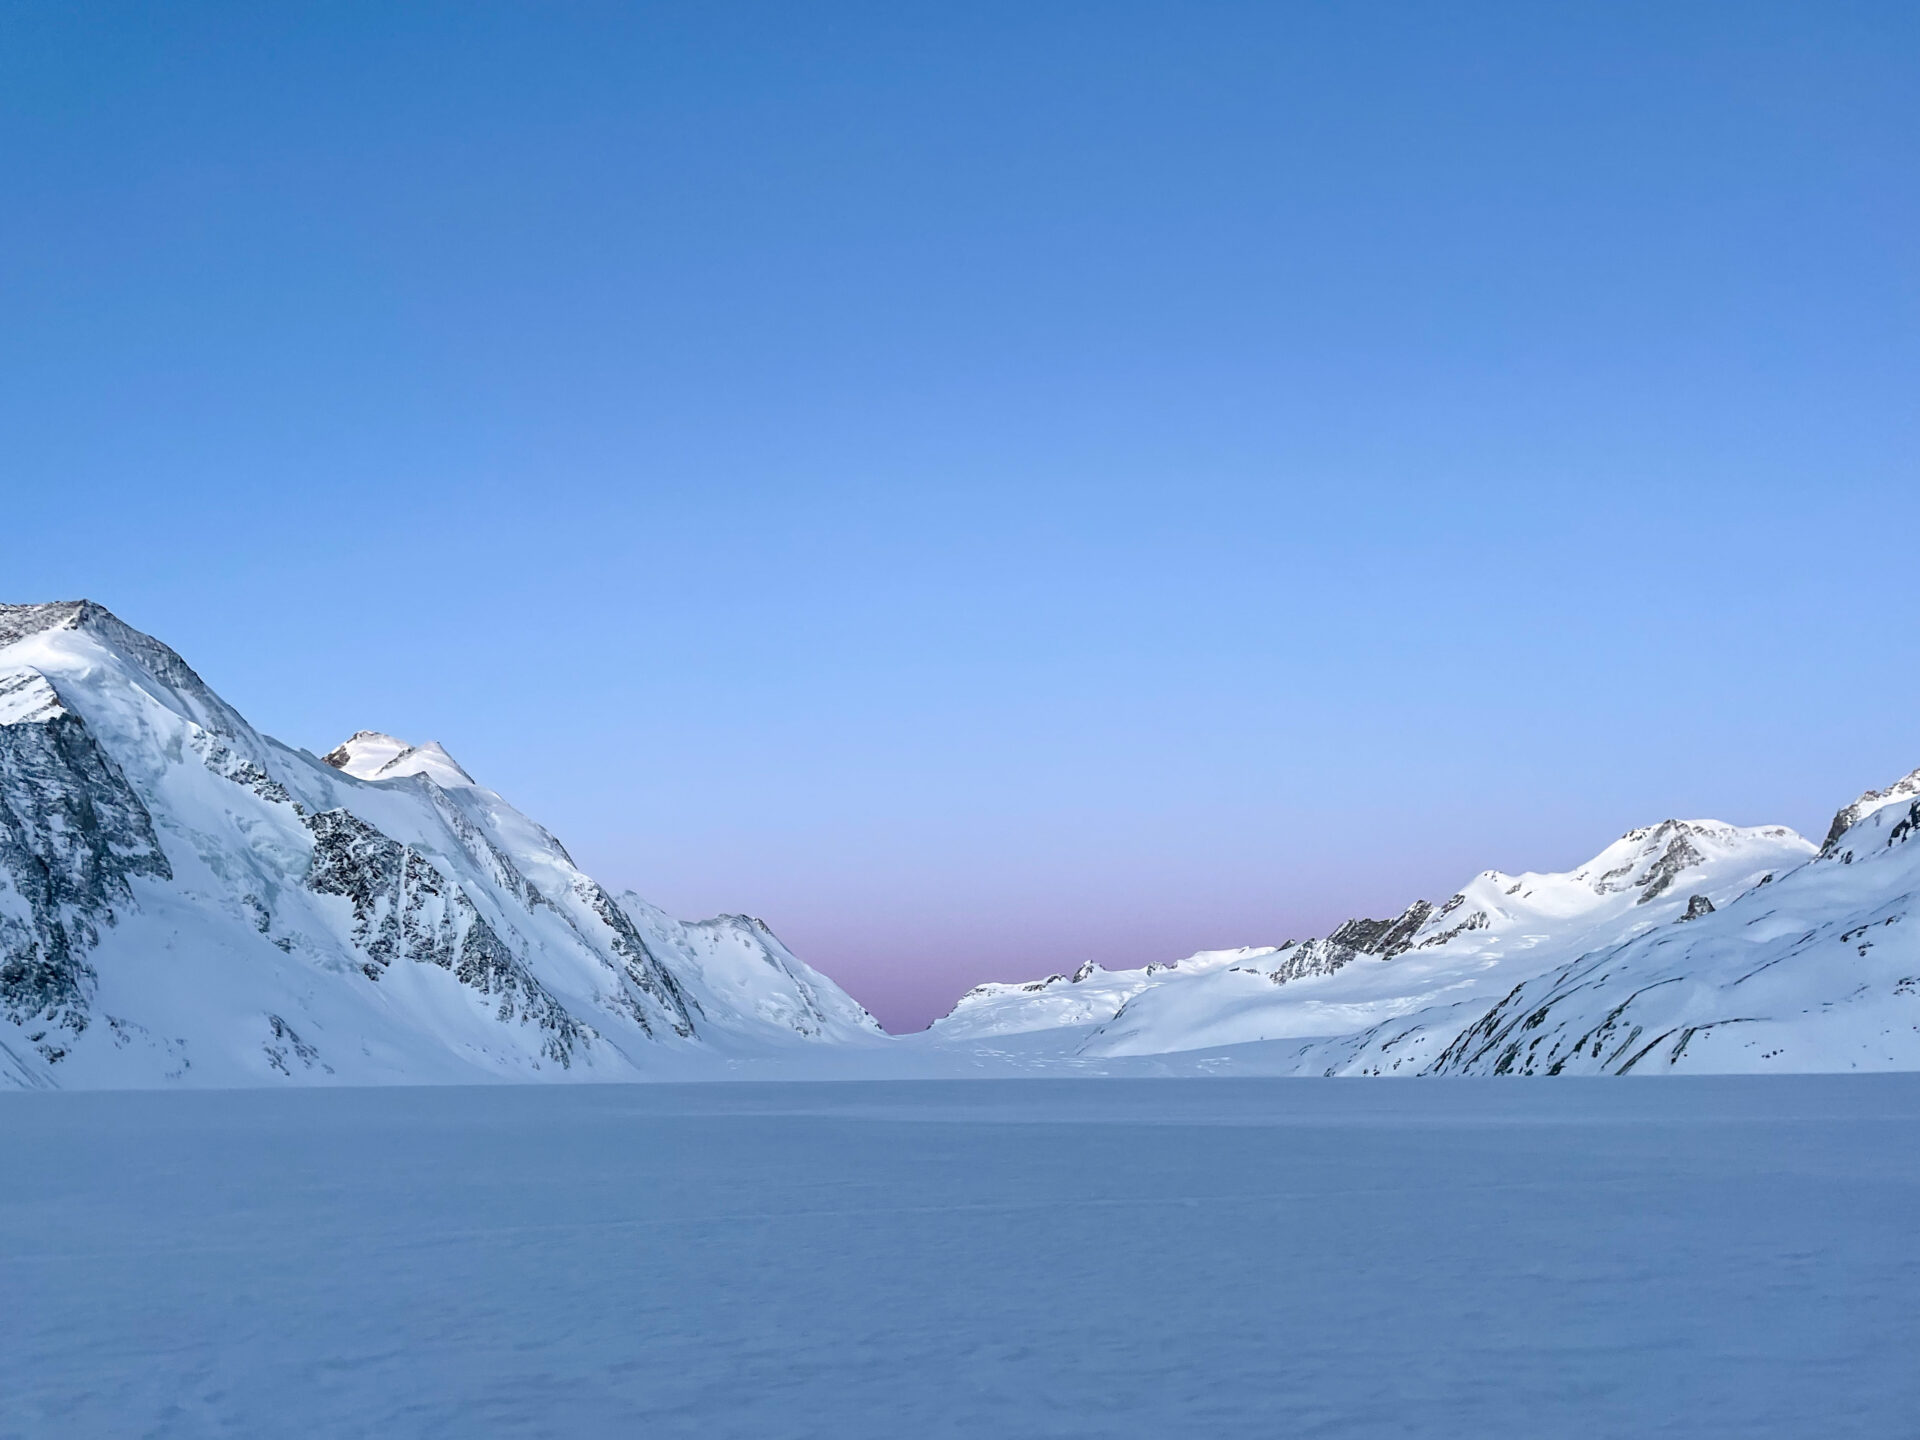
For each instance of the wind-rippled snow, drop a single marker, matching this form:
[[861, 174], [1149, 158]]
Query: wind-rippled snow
[[1699, 1257]]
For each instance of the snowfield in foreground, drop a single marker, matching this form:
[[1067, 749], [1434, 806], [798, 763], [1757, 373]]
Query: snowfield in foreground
[[1704, 1257]]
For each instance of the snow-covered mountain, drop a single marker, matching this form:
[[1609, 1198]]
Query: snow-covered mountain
[[184, 900], [1815, 970], [1686, 945], [1498, 929]]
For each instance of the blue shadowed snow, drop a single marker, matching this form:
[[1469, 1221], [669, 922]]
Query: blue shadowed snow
[[1697, 1257]]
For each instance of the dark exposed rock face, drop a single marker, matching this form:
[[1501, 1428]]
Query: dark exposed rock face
[[1907, 826], [1656, 877], [405, 909], [1478, 920], [1697, 905], [643, 969], [647, 990], [284, 1048], [1901, 789], [1382, 939], [72, 835], [223, 762], [492, 860]]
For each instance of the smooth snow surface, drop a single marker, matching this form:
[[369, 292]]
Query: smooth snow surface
[[1701, 1258]]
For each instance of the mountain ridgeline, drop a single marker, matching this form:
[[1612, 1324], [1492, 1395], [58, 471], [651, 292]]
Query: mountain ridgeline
[[184, 901], [1683, 946]]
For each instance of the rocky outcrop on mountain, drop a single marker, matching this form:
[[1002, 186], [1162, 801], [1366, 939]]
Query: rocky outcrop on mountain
[[1905, 788], [1382, 939], [73, 835], [404, 909]]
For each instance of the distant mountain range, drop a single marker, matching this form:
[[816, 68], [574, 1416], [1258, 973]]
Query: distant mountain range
[[184, 901], [1688, 945]]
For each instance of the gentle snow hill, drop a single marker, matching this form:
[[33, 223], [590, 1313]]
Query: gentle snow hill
[[185, 901]]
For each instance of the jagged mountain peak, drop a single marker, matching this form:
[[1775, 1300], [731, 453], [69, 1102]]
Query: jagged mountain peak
[[1652, 857], [20, 622], [374, 755], [64, 638], [1907, 787], [17, 621]]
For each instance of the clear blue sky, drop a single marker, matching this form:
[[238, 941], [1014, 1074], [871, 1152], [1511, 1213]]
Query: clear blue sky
[[990, 486]]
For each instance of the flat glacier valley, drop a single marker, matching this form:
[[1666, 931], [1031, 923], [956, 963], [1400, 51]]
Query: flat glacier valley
[[1700, 1256]]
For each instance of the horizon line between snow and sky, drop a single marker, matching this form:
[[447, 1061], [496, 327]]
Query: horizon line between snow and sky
[[996, 489]]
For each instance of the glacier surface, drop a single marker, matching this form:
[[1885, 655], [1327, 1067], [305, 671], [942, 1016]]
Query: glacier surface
[[1700, 1258]]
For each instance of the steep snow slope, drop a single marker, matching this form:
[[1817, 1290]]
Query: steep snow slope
[[1497, 930], [744, 980], [183, 900], [1817, 970]]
